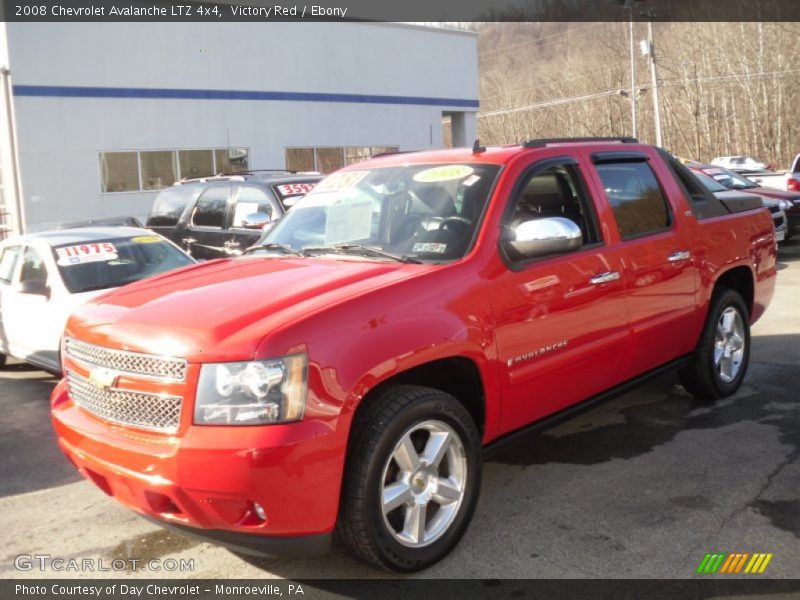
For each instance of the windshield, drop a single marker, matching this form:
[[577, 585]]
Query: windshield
[[730, 179], [417, 212], [115, 262], [710, 184]]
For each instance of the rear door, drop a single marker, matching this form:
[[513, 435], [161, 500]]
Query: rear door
[[206, 234], [656, 250], [167, 215], [560, 320]]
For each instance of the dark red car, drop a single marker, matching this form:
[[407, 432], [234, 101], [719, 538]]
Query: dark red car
[[789, 201], [408, 313]]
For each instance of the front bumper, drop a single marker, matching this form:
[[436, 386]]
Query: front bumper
[[204, 480]]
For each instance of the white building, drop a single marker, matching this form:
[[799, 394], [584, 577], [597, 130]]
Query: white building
[[95, 118]]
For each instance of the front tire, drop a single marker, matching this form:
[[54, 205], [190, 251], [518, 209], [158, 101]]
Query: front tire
[[412, 479], [719, 363]]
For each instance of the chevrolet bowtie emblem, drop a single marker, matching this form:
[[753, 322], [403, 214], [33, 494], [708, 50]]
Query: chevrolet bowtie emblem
[[103, 378]]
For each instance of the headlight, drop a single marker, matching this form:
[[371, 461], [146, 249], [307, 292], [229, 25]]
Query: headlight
[[252, 393]]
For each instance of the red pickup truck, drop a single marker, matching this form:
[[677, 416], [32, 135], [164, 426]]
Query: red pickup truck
[[348, 372]]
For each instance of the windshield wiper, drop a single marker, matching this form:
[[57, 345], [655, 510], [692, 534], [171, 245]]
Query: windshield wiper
[[358, 249], [284, 248]]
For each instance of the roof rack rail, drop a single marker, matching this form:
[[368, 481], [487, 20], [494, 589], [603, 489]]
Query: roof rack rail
[[392, 153], [217, 177], [541, 143]]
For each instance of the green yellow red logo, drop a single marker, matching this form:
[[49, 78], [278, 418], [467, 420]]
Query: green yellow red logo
[[722, 563]]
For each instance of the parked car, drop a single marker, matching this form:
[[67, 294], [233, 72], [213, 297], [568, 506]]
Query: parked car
[[742, 163], [789, 202], [410, 311], [775, 207], [783, 180], [45, 276], [103, 222], [221, 216]]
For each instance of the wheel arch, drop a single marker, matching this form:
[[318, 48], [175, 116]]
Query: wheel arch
[[739, 279], [457, 375]]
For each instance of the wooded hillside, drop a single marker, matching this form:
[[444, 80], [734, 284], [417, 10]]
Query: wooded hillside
[[725, 88]]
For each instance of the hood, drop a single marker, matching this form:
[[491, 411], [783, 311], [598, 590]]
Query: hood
[[210, 311], [773, 193]]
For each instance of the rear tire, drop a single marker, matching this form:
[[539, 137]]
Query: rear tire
[[412, 479], [719, 363]]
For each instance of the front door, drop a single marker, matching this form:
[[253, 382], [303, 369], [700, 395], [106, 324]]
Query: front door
[[560, 320], [253, 212], [32, 325]]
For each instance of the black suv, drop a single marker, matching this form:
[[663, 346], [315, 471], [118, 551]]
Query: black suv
[[214, 217]]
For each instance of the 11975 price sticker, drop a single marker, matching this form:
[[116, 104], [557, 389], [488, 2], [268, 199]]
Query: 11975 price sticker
[[84, 253]]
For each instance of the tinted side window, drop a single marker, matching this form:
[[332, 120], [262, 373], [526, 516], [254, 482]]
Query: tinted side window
[[556, 192], [210, 208], [635, 197], [169, 205], [8, 260], [33, 268]]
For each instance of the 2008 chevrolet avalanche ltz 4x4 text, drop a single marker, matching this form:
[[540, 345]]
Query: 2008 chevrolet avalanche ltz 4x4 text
[[345, 374]]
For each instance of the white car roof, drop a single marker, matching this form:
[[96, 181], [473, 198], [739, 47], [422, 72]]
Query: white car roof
[[60, 237]]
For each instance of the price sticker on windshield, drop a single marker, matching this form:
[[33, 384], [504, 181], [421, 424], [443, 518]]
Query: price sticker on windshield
[[341, 180], [86, 253], [294, 189], [445, 173]]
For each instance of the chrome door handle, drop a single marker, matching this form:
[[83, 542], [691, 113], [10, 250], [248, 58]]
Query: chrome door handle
[[604, 277], [679, 256], [231, 244], [188, 241]]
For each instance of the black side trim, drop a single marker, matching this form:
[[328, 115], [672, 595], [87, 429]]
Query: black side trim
[[542, 142], [254, 544], [598, 158], [572, 411]]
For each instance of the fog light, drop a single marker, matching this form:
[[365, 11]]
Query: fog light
[[260, 512]]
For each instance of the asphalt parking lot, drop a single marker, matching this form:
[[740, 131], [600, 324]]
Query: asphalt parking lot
[[641, 487]]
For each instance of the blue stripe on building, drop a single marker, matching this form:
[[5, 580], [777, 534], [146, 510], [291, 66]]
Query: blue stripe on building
[[58, 91]]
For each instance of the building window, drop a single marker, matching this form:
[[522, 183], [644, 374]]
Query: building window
[[300, 159], [196, 163], [158, 169], [120, 171], [232, 160], [145, 170], [329, 159]]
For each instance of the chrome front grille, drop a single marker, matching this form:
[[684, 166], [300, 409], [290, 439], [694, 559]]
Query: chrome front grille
[[127, 407], [130, 363]]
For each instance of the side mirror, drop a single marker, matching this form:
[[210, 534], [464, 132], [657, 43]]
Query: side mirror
[[542, 237], [256, 220], [34, 287]]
